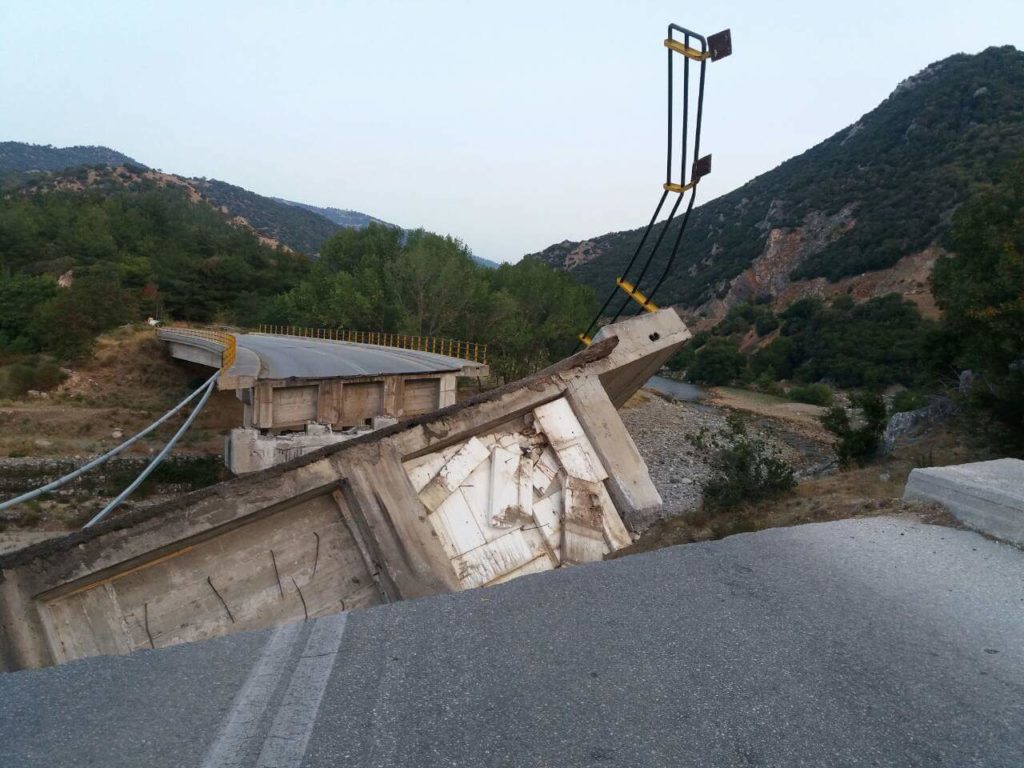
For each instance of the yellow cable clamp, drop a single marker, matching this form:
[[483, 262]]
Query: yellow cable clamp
[[585, 340], [687, 51], [670, 187], [635, 295]]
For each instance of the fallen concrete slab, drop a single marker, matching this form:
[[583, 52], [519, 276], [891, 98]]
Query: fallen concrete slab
[[870, 642], [987, 496]]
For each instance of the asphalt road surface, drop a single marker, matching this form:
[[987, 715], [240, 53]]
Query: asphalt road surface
[[876, 642], [284, 356]]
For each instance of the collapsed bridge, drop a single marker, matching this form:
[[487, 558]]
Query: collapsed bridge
[[530, 477]]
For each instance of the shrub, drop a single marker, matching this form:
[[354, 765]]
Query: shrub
[[681, 360], [744, 469], [716, 363], [765, 321], [857, 443], [812, 394], [776, 360], [19, 378], [765, 383]]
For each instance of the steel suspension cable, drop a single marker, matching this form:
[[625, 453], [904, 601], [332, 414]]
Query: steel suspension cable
[[693, 195], [650, 257], [28, 496], [657, 209], [682, 167], [208, 387]]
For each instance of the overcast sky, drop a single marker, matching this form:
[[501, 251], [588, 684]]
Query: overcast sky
[[511, 125]]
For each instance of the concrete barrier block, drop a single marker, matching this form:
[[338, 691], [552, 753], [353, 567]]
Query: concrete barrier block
[[987, 496]]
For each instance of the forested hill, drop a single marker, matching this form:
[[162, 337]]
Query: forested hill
[[87, 249], [297, 227], [872, 199], [17, 156]]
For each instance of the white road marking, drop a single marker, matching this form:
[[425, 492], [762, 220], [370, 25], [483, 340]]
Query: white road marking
[[250, 704], [285, 745]]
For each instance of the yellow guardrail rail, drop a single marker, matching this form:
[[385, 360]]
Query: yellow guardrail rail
[[463, 350], [227, 340]]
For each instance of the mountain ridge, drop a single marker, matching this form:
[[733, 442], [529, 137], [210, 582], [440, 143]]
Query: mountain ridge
[[23, 157], [296, 226], [343, 217]]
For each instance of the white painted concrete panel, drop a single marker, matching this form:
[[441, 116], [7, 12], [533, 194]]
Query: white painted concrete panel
[[497, 558], [563, 430], [503, 498], [457, 526]]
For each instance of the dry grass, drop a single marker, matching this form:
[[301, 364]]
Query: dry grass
[[127, 384]]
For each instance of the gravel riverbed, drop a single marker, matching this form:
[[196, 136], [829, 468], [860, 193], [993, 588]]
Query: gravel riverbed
[[663, 433]]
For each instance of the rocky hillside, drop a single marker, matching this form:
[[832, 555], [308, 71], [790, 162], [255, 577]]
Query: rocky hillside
[[864, 212], [293, 226]]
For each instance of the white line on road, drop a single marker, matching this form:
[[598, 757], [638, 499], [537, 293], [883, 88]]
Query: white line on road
[[285, 745], [250, 704]]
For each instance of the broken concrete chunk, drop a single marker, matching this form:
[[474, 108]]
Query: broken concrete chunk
[[545, 470], [456, 526], [422, 470], [458, 468], [571, 444], [548, 515], [584, 531], [513, 554], [524, 482]]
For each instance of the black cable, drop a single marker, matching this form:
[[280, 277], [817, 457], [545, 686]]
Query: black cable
[[654, 250], [693, 195], [668, 171], [668, 180], [636, 253], [686, 110], [682, 169]]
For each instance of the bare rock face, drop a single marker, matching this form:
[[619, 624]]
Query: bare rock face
[[907, 426], [784, 250], [569, 254]]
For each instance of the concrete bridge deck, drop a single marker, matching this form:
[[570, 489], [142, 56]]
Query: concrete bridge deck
[[265, 356], [316, 390]]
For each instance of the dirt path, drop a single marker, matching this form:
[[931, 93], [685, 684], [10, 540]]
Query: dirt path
[[795, 414]]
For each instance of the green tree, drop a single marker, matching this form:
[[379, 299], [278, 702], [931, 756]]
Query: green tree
[[20, 296], [981, 292], [68, 323]]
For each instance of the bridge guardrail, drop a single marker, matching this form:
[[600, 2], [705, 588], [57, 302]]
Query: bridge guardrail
[[471, 351], [226, 340]]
